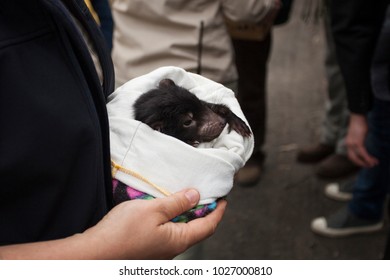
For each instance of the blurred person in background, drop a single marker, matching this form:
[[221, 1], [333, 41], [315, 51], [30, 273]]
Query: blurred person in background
[[252, 44], [362, 36], [331, 151]]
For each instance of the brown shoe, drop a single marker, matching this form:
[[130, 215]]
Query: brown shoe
[[248, 176], [336, 166], [314, 154]]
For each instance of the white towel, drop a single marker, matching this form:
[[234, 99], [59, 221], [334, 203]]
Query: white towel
[[166, 161]]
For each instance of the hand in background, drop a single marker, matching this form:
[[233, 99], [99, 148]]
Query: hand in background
[[355, 141]]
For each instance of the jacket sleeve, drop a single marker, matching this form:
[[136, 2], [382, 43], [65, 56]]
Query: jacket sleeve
[[356, 25], [247, 10]]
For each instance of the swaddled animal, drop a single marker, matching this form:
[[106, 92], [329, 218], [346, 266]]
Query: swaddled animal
[[175, 111]]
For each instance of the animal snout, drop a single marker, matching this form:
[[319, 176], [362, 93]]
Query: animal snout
[[222, 123]]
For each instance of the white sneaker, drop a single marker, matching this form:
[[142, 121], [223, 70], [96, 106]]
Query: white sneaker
[[340, 192], [343, 223]]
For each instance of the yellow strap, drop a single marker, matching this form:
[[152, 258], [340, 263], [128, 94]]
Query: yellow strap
[[92, 10], [116, 167]]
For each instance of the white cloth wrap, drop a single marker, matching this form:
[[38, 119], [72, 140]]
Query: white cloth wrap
[[166, 161]]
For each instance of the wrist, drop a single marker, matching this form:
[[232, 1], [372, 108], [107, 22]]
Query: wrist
[[73, 247], [357, 117]]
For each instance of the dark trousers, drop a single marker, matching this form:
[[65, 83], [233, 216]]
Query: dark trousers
[[251, 61]]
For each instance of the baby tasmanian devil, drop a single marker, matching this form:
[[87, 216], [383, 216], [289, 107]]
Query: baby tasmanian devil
[[175, 111]]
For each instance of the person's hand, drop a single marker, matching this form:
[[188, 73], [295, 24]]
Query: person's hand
[[355, 139], [136, 229], [142, 229]]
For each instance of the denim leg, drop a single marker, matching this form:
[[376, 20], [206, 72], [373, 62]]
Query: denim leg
[[372, 184]]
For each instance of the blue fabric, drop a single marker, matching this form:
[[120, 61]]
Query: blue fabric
[[122, 192], [372, 184]]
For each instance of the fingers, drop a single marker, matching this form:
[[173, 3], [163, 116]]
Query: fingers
[[354, 157], [201, 228], [355, 139], [361, 157], [180, 236], [369, 160], [177, 203]]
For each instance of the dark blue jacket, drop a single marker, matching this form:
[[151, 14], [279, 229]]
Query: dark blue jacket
[[356, 26], [54, 139]]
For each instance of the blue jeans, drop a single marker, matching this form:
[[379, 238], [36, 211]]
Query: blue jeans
[[372, 184]]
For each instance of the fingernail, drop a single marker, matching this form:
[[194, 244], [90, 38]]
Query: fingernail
[[192, 196]]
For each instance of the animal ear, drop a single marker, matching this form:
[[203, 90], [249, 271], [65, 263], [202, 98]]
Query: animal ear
[[166, 83], [158, 125]]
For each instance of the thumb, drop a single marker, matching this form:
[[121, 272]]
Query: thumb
[[178, 203]]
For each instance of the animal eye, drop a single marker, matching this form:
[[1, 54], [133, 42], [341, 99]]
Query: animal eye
[[187, 123], [188, 120]]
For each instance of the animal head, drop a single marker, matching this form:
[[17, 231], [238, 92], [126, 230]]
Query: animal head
[[177, 112]]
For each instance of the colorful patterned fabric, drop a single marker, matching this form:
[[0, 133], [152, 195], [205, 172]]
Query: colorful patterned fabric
[[122, 192]]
